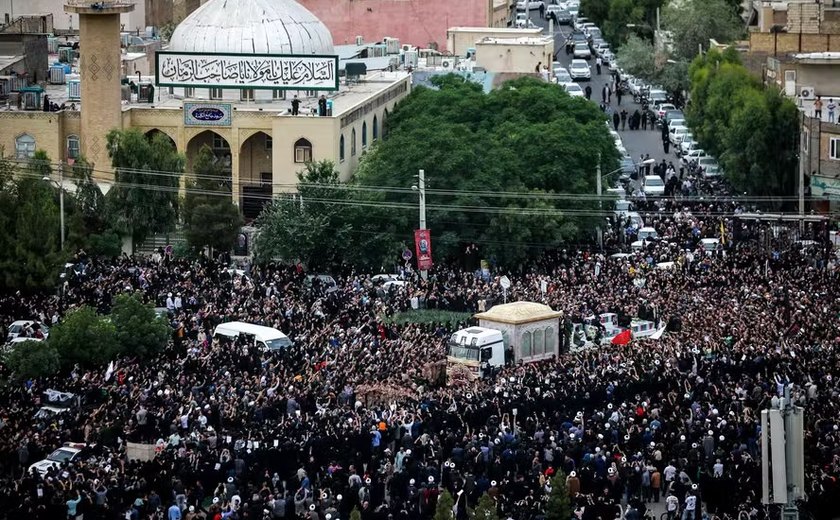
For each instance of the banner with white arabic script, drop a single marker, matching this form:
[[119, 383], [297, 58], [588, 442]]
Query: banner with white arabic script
[[246, 71], [207, 114]]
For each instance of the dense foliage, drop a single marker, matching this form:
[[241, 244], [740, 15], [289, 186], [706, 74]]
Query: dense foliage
[[85, 338], [752, 130], [30, 359], [144, 198], [494, 164], [211, 219], [139, 331], [559, 505]]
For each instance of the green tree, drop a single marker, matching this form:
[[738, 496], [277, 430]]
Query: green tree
[[527, 137], [326, 224], [485, 509], [623, 13], [31, 359], [443, 510], [144, 198], [84, 337], [139, 332], [211, 219], [559, 505], [694, 22], [637, 57]]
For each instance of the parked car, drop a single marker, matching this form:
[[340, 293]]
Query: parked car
[[656, 95], [577, 37], [679, 137], [561, 75], [672, 129], [636, 86], [708, 167], [573, 89], [662, 108], [579, 23], [687, 147], [653, 185], [521, 5], [27, 328], [64, 455], [582, 51], [579, 70], [673, 114], [693, 155], [594, 34], [559, 15]]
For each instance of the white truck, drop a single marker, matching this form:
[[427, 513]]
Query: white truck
[[475, 350]]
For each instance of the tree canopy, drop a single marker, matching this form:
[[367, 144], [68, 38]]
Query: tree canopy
[[494, 164], [752, 130], [138, 329], [211, 219], [694, 22], [144, 198]]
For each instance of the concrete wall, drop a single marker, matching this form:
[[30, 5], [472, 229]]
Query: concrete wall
[[789, 43], [819, 135], [459, 39], [417, 22], [513, 57], [34, 49], [62, 20]]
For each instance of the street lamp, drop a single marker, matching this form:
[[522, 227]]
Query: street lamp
[[60, 197], [420, 188], [598, 190]]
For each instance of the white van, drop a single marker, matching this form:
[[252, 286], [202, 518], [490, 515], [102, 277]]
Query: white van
[[265, 337], [477, 349]]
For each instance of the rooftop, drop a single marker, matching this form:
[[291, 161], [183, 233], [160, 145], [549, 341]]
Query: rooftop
[[519, 312], [500, 30], [515, 41], [818, 57]]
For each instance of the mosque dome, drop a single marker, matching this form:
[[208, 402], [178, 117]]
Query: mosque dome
[[252, 27]]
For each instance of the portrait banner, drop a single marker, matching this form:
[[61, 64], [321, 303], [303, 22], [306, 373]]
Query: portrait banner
[[423, 247]]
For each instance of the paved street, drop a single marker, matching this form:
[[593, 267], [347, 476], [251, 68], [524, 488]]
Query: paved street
[[637, 142]]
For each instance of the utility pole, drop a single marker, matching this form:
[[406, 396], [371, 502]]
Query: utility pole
[[782, 456], [802, 148], [600, 203], [421, 183], [61, 199]]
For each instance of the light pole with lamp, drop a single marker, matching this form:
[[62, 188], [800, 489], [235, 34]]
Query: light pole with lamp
[[598, 190], [60, 197], [420, 188]]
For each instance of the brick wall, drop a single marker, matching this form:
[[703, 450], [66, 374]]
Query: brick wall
[[416, 22], [788, 43]]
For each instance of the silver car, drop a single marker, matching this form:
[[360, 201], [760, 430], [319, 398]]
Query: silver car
[[579, 70]]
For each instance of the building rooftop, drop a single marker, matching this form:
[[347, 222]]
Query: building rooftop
[[818, 57], [500, 30], [526, 40], [519, 312], [346, 98]]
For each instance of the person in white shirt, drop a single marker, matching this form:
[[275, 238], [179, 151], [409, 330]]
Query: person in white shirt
[[672, 503], [718, 469], [690, 505]]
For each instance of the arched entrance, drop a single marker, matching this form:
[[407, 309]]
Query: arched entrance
[[255, 173], [221, 150], [154, 132]]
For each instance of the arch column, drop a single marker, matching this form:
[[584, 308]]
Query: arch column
[[234, 175]]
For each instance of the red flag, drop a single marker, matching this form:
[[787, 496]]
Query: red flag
[[623, 338], [423, 247]]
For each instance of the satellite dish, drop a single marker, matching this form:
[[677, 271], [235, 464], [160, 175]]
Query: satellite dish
[[504, 281]]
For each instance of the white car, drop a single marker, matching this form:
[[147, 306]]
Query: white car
[[663, 108], [56, 459], [709, 167], [693, 155], [674, 128], [394, 283], [530, 4], [582, 51], [573, 89], [687, 147], [562, 75], [579, 69], [19, 327], [385, 277], [654, 185]]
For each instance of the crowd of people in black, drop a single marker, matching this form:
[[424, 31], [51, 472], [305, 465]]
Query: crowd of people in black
[[349, 416]]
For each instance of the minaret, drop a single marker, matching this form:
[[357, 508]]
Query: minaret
[[100, 71]]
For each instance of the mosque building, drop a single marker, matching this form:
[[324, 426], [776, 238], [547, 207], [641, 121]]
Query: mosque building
[[232, 78]]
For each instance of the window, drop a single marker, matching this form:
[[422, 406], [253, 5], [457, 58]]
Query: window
[[278, 94], [189, 92], [384, 121], [303, 151], [375, 129], [834, 148], [364, 135], [25, 147], [215, 93], [269, 142], [246, 94], [539, 342], [525, 346], [219, 143], [341, 148], [353, 142], [73, 146], [549, 341]]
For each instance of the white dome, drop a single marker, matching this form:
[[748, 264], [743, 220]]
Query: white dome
[[252, 27]]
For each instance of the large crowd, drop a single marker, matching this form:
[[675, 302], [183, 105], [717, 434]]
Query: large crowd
[[350, 417]]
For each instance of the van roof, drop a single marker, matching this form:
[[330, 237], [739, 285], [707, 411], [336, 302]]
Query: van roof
[[478, 332], [265, 333]]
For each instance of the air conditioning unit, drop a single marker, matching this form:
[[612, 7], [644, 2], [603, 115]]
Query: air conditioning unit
[[448, 64], [411, 59], [807, 93], [360, 40], [392, 45]]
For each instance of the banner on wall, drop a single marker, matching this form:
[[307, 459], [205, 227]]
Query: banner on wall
[[423, 247]]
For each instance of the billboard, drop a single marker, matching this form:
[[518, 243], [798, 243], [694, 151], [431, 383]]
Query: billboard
[[423, 246], [246, 71]]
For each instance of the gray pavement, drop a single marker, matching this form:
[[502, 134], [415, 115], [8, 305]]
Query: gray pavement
[[636, 142]]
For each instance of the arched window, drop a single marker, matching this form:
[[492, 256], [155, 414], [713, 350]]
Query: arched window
[[25, 147], [303, 151], [341, 148], [352, 142], [375, 129], [364, 135], [384, 122], [73, 147], [539, 342], [549, 341], [525, 346]]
